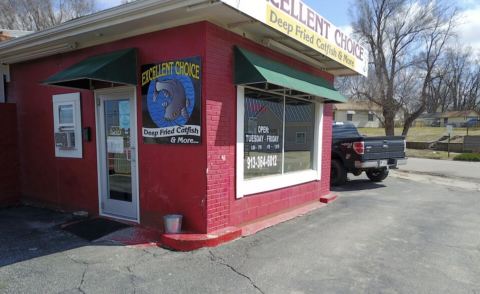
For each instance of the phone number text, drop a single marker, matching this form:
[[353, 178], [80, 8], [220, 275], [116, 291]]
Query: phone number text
[[261, 161]]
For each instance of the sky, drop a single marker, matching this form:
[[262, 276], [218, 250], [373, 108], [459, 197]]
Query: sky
[[337, 12]]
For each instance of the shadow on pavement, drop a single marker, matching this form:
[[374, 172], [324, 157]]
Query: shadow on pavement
[[358, 185], [29, 232]]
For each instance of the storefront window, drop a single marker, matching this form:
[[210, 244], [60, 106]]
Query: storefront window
[[299, 135], [278, 134], [263, 134]]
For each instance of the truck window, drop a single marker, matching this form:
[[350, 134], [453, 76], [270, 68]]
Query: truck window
[[345, 131]]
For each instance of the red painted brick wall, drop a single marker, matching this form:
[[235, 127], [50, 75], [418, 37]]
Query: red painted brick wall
[[196, 181], [327, 147], [171, 178], [222, 207], [8, 156]]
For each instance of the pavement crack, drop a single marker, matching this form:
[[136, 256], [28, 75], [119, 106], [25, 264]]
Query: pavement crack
[[154, 254], [221, 261], [78, 261], [141, 259], [132, 278], [82, 281]]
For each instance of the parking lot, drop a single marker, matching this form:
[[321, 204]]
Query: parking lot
[[399, 236]]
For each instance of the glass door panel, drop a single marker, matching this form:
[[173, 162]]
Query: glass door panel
[[117, 129]]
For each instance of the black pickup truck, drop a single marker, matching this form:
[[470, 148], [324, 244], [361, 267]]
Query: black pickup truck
[[354, 153]]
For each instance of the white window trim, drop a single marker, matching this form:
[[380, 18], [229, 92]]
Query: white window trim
[[74, 100], [246, 187]]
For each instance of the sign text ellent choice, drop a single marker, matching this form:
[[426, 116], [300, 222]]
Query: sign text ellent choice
[[304, 14]]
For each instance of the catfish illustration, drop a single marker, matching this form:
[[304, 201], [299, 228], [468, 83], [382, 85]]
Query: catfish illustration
[[176, 102]]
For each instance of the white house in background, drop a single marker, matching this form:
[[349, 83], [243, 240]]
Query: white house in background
[[361, 114]]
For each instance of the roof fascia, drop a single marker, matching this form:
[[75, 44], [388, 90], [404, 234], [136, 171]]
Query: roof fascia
[[106, 18]]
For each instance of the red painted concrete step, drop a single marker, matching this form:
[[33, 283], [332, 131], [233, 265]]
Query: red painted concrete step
[[328, 198], [255, 226], [188, 242]]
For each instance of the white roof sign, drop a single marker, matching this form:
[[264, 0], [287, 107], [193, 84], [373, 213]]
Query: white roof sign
[[300, 22]]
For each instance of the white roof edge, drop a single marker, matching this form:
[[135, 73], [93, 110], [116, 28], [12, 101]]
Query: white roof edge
[[133, 10], [131, 19]]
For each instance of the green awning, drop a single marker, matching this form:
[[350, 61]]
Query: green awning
[[105, 70], [251, 69]]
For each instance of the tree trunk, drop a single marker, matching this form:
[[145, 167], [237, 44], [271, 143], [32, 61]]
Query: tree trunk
[[389, 125], [406, 127]]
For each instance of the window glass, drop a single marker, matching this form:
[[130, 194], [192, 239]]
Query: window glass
[[299, 135], [301, 138], [279, 134], [263, 140], [370, 117], [349, 117], [65, 114], [117, 130], [345, 130]]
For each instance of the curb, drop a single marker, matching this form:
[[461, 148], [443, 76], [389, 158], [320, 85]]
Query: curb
[[439, 179]]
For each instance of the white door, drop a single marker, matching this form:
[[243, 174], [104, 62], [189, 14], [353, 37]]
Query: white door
[[117, 154]]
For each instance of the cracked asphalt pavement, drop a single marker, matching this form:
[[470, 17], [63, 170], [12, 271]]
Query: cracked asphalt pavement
[[399, 236]]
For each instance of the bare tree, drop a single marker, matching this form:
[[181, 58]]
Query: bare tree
[[405, 38], [35, 15], [438, 100], [434, 39], [462, 79]]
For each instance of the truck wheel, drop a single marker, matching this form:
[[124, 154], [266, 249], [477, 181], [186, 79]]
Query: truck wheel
[[338, 174], [377, 175]]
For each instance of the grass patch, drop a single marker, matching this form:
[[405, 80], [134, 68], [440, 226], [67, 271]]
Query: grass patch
[[468, 157], [425, 134], [430, 154]]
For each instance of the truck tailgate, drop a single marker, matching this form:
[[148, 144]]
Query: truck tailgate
[[384, 148]]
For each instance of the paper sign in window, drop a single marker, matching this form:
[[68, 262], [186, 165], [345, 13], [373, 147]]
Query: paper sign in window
[[115, 144]]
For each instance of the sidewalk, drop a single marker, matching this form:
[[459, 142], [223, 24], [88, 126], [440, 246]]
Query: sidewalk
[[460, 174], [444, 168]]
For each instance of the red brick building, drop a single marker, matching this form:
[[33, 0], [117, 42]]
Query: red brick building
[[190, 107]]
